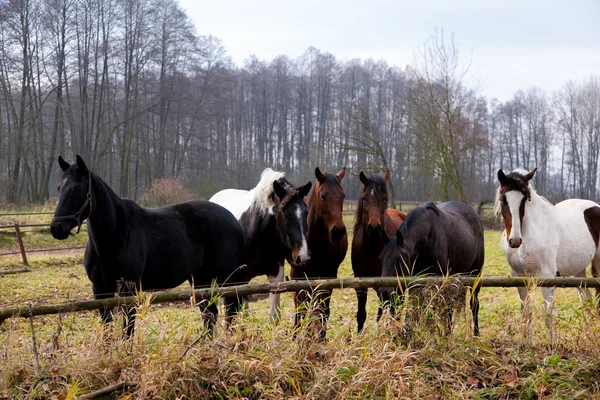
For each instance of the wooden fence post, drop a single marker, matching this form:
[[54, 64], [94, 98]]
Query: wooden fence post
[[20, 240]]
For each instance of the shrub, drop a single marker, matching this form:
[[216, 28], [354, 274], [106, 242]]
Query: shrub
[[165, 191]]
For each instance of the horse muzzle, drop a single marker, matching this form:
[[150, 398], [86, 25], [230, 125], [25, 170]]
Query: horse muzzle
[[515, 243], [338, 234], [61, 229], [374, 228]]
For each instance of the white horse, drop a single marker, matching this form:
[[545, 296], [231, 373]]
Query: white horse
[[273, 216], [544, 240]]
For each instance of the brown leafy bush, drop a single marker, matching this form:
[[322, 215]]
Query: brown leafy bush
[[165, 191]]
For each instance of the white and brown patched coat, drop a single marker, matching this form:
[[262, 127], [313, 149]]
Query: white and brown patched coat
[[545, 240]]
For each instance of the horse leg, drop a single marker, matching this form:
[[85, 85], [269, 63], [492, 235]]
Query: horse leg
[[325, 298], [99, 294], [525, 308], [128, 289], [275, 309], [584, 293], [361, 313], [209, 311], [233, 305], [382, 304], [474, 300], [300, 300]]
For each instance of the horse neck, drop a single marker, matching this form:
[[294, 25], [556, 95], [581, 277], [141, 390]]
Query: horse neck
[[315, 218], [103, 222], [537, 210]]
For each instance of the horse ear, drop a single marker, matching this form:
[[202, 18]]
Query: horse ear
[[501, 177], [81, 165], [279, 190], [386, 175], [303, 190], [319, 175], [399, 238], [340, 175], [529, 176], [363, 178], [63, 164]]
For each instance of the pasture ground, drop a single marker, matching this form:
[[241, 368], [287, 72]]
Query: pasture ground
[[78, 354]]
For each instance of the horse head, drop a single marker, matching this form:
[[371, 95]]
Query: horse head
[[329, 202], [373, 201], [75, 198], [291, 215], [513, 192]]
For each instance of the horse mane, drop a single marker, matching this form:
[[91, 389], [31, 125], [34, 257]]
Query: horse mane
[[516, 177], [379, 182], [264, 194]]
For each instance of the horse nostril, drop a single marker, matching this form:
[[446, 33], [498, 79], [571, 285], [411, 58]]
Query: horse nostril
[[514, 242], [298, 260]]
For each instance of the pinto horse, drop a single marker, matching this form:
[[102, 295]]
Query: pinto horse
[[374, 225], [437, 240], [149, 249], [273, 217], [327, 241], [544, 240]]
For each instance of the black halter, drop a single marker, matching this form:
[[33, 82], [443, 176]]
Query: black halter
[[77, 215]]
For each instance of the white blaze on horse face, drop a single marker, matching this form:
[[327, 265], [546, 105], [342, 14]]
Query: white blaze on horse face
[[372, 192], [303, 254], [514, 199]]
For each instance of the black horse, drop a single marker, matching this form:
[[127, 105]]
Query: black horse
[[148, 249], [437, 240]]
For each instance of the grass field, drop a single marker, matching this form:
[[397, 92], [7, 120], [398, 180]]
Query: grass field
[[259, 360]]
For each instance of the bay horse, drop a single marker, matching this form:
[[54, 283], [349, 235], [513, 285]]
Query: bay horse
[[149, 249], [437, 240], [374, 225], [327, 241], [545, 240], [273, 218]]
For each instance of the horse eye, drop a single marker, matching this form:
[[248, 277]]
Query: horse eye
[[364, 199], [322, 196]]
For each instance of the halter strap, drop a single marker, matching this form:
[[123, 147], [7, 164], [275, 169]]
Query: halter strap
[[77, 215]]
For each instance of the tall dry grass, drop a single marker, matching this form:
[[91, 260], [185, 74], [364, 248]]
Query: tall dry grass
[[170, 356]]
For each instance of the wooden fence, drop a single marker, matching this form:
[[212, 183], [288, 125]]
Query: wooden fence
[[294, 286], [19, 237]]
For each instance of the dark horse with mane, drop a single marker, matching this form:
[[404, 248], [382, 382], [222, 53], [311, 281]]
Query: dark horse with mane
[[149, 249], [327, 241], [373, 226], [273, 217], [437, 240]]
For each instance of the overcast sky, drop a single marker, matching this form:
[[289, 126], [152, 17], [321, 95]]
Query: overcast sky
[[512, 44]]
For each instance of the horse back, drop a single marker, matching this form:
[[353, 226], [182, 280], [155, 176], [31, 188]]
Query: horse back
[[463, 230], [194, 239], [235, 200], [394, 219]]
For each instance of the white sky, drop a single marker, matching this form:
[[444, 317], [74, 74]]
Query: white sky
[[512, 44]]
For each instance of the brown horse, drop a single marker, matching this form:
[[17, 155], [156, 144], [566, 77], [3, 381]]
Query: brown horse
[[373, 227], [327, 241]]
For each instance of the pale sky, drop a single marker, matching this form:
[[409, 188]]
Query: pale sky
[[511, 44]]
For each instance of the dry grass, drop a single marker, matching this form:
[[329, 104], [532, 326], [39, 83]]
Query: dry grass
[[257, 360]]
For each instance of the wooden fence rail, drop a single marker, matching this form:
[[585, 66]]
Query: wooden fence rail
[[22, 251], [293, 286]]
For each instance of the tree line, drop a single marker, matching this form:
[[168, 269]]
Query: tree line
[[131, 87]]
